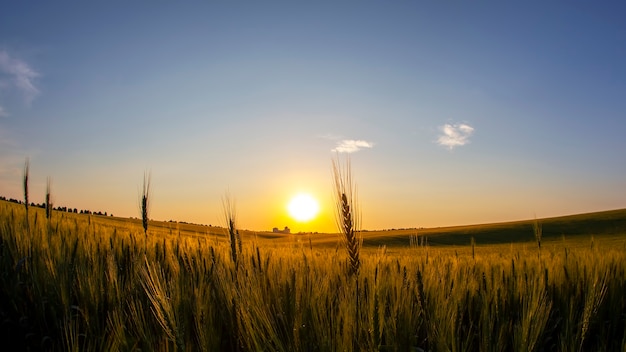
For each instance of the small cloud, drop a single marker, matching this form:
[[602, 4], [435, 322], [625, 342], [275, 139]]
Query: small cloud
[[3, 113], [21, 76], [455, 135], [351, 146]]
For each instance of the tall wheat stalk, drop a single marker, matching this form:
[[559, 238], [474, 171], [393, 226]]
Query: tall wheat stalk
[[26, 171], [48, 199], [348, 219], [144, 202], [230, 216]]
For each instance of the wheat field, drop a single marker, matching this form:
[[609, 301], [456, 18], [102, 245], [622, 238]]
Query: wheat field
[[78, 282]]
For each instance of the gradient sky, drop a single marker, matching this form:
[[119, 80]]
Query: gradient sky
[[451, 113]]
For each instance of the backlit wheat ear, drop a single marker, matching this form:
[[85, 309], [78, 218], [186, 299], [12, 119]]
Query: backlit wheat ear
[[145, 205], [48, 199], [230, 216], [26, 171], [347, 215]]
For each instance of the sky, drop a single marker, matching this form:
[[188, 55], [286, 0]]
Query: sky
[[450, 113]]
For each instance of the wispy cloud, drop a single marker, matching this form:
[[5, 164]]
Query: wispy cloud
[[18, 75], [454, 135], [351, 146], [3, 112]]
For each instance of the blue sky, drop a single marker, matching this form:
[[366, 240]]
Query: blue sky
[[451, 113]]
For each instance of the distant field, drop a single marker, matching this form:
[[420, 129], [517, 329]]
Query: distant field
[[606, 228]]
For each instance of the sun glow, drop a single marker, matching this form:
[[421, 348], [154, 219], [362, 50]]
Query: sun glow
[[303, 207]]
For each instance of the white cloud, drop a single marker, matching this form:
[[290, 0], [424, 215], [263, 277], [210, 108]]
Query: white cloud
[[21, 76], [351, 146], [3, 113], [455, 135]]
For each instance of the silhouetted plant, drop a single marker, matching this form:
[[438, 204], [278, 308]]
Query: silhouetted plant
[[145, 205], [48, 199], [26, 171]]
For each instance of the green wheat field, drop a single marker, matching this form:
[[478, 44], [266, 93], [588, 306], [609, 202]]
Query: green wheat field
[[78, 282]]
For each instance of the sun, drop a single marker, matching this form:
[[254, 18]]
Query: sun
[[303, 207]]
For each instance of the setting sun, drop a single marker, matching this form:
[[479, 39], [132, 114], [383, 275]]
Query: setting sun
[[303, 207]]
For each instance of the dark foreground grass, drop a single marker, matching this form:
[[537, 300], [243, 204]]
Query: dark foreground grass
[[77, 283]]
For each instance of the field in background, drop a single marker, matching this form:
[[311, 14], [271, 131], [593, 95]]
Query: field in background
[[85, 282], [604, 228]]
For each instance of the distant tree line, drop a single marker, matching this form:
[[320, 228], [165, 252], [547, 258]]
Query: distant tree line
[[63, 209]]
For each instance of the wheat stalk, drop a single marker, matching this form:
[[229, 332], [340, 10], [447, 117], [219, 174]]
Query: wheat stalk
[[348, 219], [48, 199], [230, 215], [144, 202], [26, 171]]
